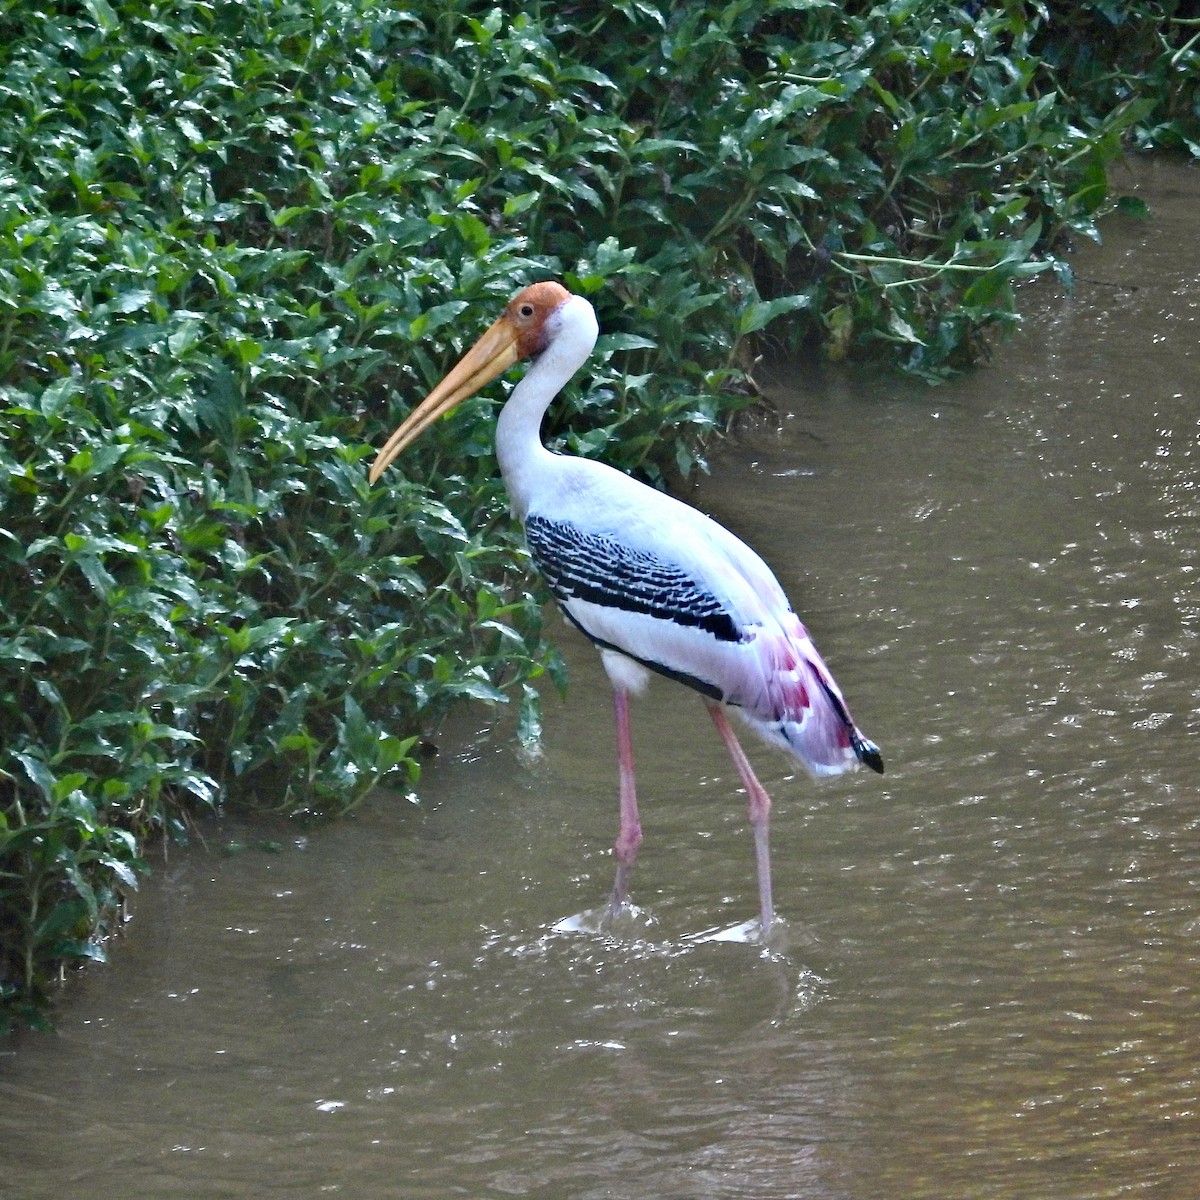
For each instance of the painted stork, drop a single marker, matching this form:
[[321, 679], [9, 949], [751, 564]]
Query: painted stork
[[656, 585]]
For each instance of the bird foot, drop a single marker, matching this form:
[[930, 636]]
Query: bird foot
[[749, 933], [627, 920]]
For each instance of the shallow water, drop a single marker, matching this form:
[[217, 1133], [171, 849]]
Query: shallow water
[[987, 984]]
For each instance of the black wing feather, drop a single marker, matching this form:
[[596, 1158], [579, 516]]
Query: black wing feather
[[603, 570]]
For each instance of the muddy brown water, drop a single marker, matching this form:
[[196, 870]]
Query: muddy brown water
[[988, 985]]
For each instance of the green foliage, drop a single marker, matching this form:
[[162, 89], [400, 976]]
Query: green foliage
[[238, 241], [1107, 53]]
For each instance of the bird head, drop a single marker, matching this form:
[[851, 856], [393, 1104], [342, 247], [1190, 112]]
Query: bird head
[[520, 332]]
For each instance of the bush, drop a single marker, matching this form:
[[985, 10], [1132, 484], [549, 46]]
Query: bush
[[236, 241]]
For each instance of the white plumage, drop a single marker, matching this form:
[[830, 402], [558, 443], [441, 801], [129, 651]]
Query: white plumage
[[657, 585]]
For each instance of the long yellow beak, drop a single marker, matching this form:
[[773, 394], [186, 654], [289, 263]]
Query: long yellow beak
[[492, 355]]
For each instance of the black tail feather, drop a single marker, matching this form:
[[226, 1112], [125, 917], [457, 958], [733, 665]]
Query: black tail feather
[[868, 752]]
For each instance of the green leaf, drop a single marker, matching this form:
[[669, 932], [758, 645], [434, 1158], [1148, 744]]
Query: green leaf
[[130, 301], [57, 395], [102, 13], [902, 329], [760, 313], [1133, 206], [514, 206]]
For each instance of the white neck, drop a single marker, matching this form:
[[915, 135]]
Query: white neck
[[572, 332]]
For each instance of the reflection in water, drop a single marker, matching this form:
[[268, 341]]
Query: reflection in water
[[988, 982]]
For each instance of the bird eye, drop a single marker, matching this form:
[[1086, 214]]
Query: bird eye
[[526, 310]]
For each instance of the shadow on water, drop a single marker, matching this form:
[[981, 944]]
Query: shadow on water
[[987, 986]]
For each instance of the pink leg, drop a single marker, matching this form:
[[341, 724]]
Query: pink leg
[[630, 836], [759, 804]]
